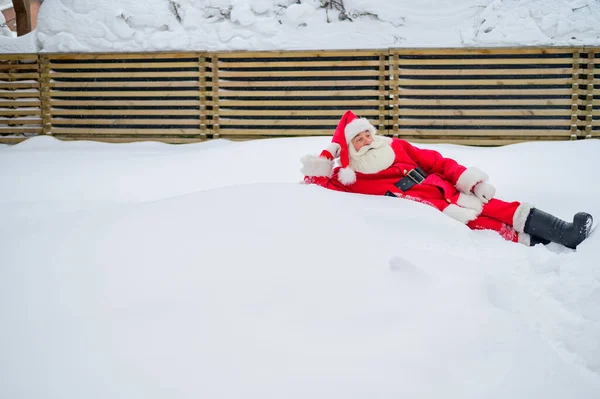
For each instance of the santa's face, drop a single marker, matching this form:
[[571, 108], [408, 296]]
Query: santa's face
[[373, 155], [362, 139]]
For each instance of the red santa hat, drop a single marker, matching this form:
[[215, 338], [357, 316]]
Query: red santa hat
[[348, 128]]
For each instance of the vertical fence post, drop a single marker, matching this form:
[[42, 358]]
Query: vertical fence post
[[589, 100], [45, 98], [202, 94], [13, 97], [394, 91], [215, 95], [382, 92], [575, 101]]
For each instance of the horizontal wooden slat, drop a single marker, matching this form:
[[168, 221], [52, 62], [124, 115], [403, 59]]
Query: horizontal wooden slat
[[481, 82], [486, 112], [280, 122], [19, 94], [120, 56], [124, 131], [20, 57], [316, 113], [20, 121], [460, 51], [97, 94], [484, 122], [282, 102], [300, 83], [483, 61], [275, 132], [122, 75], [162, 139], [492, 141], [477, 72], [86, 85], [122, 103], [125, 121], [121, 112], [296, 74], [540, 102], [17, 67], [19, 129], [19, 85], [12, 140], [301, 64], [18, 75], [20, 112], [422, 132], [299, 54], [297, 93], [222, 121], [125, 65], [450, 91], [19, 103]]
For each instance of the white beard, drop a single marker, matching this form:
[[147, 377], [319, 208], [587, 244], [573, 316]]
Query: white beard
[[372, 158]]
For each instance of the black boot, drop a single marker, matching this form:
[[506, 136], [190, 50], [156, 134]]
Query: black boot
[[544, 226], [537, 240]]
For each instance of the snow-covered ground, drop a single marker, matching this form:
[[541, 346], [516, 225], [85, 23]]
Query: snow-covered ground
[[206, 270], [151, 25]]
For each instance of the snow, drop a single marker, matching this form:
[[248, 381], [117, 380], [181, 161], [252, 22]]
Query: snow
[[206, 270], [4, 30], [149, 270], [5, 4], [220, 25]]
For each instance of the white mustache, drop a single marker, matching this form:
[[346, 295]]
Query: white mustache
[[366, 148]]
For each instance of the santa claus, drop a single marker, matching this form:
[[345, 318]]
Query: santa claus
[[379, 165]]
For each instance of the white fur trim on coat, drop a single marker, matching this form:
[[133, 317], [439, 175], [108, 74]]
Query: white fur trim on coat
[[520, 217], [347, 176], [470, 201], [469, 178], [358, 125], [313, 165], [385, 139], [463, 215], [334, 149], [525, 239]]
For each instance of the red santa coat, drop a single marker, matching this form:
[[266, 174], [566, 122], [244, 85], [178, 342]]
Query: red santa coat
[[447, 187]]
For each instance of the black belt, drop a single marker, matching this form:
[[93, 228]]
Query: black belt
[[413, 177]]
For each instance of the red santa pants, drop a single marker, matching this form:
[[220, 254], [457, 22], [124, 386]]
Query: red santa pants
[[497, 215]]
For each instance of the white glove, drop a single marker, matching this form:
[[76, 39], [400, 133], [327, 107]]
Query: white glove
[[484, 191]]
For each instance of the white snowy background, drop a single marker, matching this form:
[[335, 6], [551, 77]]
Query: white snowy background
[[206, 270], [152, 25], [150, 270]]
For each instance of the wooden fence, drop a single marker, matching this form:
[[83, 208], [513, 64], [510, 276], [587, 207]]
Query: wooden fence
[[468, 96]]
